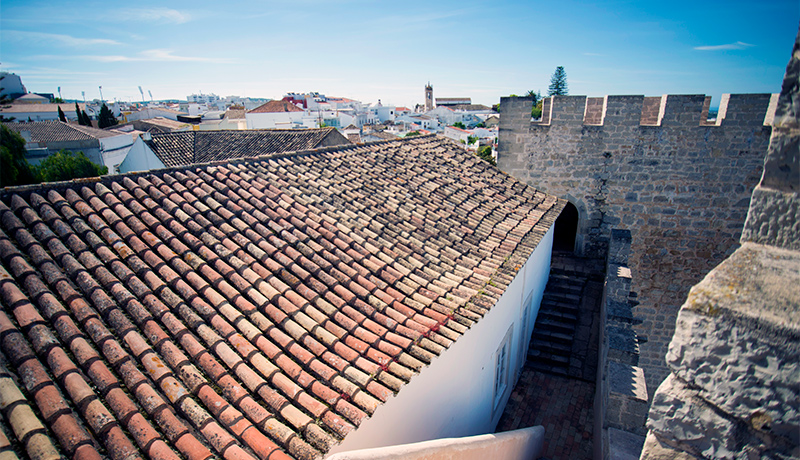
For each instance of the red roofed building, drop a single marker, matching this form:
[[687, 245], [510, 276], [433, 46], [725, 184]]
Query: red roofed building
[[286, 306], [276, 114]]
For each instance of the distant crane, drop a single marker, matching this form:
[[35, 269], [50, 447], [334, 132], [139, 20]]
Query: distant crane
[[59, 92], [151, 95], [101, 94], [142, 93], [83, 93]]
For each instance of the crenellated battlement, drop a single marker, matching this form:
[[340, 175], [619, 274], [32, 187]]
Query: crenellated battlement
[[667, 110], [655, 166]]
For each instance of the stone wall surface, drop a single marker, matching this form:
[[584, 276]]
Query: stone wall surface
[[656, 167], [621, 392], [735, 356]]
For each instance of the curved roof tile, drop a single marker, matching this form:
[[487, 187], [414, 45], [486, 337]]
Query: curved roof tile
[[259, 308]]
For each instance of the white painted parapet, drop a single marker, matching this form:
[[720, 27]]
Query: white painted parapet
[[522, 444]]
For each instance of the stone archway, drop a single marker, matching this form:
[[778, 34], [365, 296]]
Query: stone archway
[[566, 229]]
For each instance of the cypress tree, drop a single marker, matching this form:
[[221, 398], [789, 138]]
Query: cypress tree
[[106, 118], [86, 120], [61, 115], [78, 113]]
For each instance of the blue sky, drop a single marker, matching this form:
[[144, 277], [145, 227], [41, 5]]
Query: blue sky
[[370, 50]]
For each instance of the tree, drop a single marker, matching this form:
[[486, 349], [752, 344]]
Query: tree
[[78, 113], [15, 169], [413, 133], [61, 115], [485, 154], [86, 120], [536, 109], [536, 95], [472, 139], [65, 165], [106, 118], [458, 124], [558, 83]]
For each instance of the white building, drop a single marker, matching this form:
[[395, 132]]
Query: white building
[[278, 114], [11, 85]]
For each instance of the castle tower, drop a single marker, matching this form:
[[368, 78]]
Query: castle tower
[[428, 97]]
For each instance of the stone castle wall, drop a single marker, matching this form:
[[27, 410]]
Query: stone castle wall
[[655, 166]]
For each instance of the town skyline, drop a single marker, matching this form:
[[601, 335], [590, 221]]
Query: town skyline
[[369, 52]]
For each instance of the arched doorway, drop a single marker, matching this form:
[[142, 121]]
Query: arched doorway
[[566, 228]]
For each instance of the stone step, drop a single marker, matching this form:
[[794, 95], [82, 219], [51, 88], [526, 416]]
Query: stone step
[[552, 336], [550, 368], [555, 325], [563, 314], [561, 296], [550, 347], [544, 356]]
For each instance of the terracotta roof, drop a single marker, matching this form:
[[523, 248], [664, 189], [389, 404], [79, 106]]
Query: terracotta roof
[[470, 107], [381, 135], [256, 309], [56, 131], [25, 108], [235, 113], [276, 107], [191, 147]]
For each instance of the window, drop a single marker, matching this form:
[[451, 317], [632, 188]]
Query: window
[[501, 368]]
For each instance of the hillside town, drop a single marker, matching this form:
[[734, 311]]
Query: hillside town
[[38, 117]]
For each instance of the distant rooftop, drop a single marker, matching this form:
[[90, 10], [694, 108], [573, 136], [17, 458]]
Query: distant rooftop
[[190, 147], [276, 107]]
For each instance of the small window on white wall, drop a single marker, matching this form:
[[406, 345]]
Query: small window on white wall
[[501, 368]]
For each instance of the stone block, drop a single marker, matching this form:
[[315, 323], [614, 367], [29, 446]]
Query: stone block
[[737, 339]]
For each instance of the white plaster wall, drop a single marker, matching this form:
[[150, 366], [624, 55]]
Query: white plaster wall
[[454, 395], [273, 120]]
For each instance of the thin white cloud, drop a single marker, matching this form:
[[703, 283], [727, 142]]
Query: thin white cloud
[[156, 14], [729, 46], [67, 40], [154, 55]]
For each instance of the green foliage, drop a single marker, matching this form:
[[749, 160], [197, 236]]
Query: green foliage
[[536, 95], [61, 115], [485, 154], [58, 100], [66, 165], [472, 139], [106, 118], [558, 83], [86, 120], [14, 168], [458, 124], [536, 111], [413, 133], [481, 125]]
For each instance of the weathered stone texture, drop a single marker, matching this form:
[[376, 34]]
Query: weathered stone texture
[[621, 394], [682, 187], [735, 361], [774, 216], [735, 357]]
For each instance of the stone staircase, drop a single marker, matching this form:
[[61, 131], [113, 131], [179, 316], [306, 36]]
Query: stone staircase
[[554, 332]]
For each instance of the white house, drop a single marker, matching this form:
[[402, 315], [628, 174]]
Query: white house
[[276, 114]]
